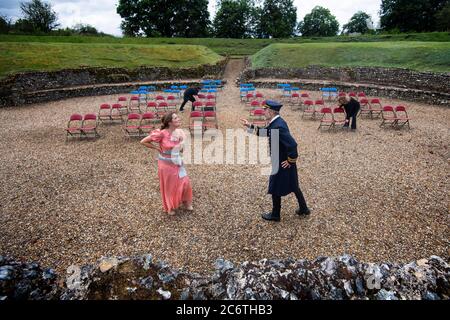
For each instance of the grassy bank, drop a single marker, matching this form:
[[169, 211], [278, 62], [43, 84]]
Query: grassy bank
[[21, 56], [233, 47], [422, 56]]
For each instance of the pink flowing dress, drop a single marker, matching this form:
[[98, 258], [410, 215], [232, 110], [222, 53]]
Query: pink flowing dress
[[174, 189]]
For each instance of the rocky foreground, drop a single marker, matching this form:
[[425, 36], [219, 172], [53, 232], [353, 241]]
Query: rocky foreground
[[143, 277]]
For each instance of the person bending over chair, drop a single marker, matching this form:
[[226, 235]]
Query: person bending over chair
[[189, 96], [351, 107]]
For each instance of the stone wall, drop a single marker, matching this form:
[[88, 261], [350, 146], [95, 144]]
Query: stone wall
[[422, 85], [20, 88], [144, 277]]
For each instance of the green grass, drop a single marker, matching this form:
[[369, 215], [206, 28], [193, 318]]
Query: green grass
[[422, 56], [233, 47], [34, 56]]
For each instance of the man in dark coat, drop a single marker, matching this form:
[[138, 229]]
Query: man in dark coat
[[285, 179], [351, 107], [189, 94]]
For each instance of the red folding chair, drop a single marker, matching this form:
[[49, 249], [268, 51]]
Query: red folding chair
[[388, 117], [89, 126], [210, 120], [197, 105], [161, 109], [249, 97], [318, 105], [342, 94], [196, 121], [201, 96], [151, 107], [353, 95], [255, 104], [309, 109], [257, 117], [104, 112], [134, 104], [327, 118], [375, 107], [116, 112], [402, 117], [124, 103], [171, 103], [210, 106], [365, 107], [210, 97], [361, 95], [339, 117], [259, 96], [149, 122], [160, 98], [74, 126], [132, 123], [295, 99]]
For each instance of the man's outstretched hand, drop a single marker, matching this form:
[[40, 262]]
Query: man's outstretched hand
[[245, 123]]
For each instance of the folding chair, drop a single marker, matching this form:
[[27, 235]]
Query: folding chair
[[318, 105], [148, 122], [161, 109], [89, 125], [124, 103], [160, 98], [375, 107], [151, 107], [254, 105], [74, 126], [388, 117], [211, 97], [309, 109], [365, 107], [197, 104], [361, 95], [196, 121], [342, 94], [295, 99], [171, 103], [402, 117], [201, 96], [209, 106], [133, 106], [249, 97], [104, 112], [339, 117], [353, 95], [210, 120], [327, 118], [131, 126], [116, 112], [257, 117]]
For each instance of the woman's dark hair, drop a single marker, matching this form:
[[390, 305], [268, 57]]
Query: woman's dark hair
[[166, 120]]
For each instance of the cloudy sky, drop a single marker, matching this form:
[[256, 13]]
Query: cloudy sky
[[102, 13]]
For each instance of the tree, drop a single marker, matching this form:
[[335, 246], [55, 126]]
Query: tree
[[358, 23], [319, 23], [153, 18], [410, 15], [85, 29], [39, 15], [5, 24], [442, 19], [278, 19], [235, 13]]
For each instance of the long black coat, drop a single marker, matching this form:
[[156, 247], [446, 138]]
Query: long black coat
[[284, 181]]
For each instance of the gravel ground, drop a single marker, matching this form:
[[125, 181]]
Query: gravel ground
[[378, 194]]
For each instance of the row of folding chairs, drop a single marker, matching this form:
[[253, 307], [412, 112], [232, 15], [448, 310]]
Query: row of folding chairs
[[80, 126], [209, 105], [331, 118], [395, 117], [250, 96], [137, 125], [257, 117], [202, 120]]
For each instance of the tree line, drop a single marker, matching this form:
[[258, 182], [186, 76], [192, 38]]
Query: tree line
[[240, 19]]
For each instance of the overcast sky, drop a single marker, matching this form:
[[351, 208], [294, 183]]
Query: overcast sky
[[102, 13]]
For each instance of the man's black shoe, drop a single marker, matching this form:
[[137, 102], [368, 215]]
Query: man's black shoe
[[270, 217], [303, 213]]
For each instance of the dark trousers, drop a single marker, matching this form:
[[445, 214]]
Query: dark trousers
[[353, 116], [186, 99], [276, 202]]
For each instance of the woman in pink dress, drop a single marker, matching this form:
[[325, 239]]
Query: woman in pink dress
[[174, 183]]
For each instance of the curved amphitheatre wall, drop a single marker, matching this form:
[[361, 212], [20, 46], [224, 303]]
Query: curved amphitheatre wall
[[34, 87], [427, 87]]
